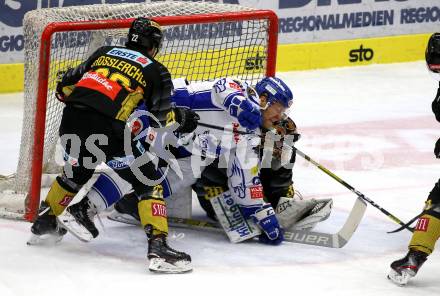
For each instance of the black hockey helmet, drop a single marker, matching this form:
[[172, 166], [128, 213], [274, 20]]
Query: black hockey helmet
[[432, 54], [145, 33]]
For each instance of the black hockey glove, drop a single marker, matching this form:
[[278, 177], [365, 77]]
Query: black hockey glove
[[437, 148], [285, 127], [187, 119], [66, 81]]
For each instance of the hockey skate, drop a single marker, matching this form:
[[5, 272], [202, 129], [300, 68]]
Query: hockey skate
[[46, 229], [123, 210], [78, 220], [404, 269], [164, 259]]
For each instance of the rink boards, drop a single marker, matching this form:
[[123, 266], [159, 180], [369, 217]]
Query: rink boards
[[293, 57]]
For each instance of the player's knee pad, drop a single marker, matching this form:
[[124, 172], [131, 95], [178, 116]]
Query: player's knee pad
[[61, 193], [426, 233]]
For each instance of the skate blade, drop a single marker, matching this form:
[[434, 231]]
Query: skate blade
[[159, 265], [123, 218], [71, 225], [399, 279], [45, 239]]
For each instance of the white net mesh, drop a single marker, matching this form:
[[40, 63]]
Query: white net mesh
[[197, 51]]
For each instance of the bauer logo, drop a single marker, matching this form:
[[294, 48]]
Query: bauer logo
[[361, 54], [130, 55], [306, 238], [158, 209]]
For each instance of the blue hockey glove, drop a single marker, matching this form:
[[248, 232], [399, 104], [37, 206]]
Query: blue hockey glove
[[272, 232], [248, 116]]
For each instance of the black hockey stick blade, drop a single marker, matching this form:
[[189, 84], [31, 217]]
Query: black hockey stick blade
[[407, 225]]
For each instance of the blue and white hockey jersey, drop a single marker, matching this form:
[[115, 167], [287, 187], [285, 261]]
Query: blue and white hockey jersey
[[215, 103]]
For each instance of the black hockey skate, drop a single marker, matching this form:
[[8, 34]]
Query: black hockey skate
[[45, 228], [404, 269], [78, 220], [126, 210], [164, 259]]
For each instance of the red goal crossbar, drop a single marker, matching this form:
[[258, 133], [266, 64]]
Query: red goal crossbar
[[33, 199]]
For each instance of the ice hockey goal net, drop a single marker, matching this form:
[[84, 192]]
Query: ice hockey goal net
[[203, 41]]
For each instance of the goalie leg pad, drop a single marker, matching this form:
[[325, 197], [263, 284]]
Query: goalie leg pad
[[228, 214], [320, 212], [289, 210]]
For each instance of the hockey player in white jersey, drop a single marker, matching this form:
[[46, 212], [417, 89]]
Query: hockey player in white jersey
[[236, 152]]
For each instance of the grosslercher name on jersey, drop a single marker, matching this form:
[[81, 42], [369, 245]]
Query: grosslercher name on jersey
[[123, 66]]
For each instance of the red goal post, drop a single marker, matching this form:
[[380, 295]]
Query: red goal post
[[235, 55]]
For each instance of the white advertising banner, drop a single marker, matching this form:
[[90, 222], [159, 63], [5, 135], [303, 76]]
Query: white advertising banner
[[299, 20]]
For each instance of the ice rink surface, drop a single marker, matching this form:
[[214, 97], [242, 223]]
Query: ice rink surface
[[371, 125]]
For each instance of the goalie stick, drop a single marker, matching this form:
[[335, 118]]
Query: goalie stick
[[352, 189], [322, 239]]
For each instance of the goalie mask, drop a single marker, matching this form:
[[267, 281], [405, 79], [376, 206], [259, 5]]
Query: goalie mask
[[432, 55], [145, 33]]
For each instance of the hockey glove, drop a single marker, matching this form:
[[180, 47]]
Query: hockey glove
[[248, 116], [187, 119], [272, 232], [437, 148], [66, 81]]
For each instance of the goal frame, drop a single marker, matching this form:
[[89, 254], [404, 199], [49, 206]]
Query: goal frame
[[33, 197]]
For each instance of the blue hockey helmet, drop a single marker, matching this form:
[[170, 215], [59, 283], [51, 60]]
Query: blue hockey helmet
[[275, 90]]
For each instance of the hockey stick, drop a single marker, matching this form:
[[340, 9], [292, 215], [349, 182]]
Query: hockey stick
[[407, 224], [414, 219], [325, 170], [352, 189], [322, 239], [225, 129]]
